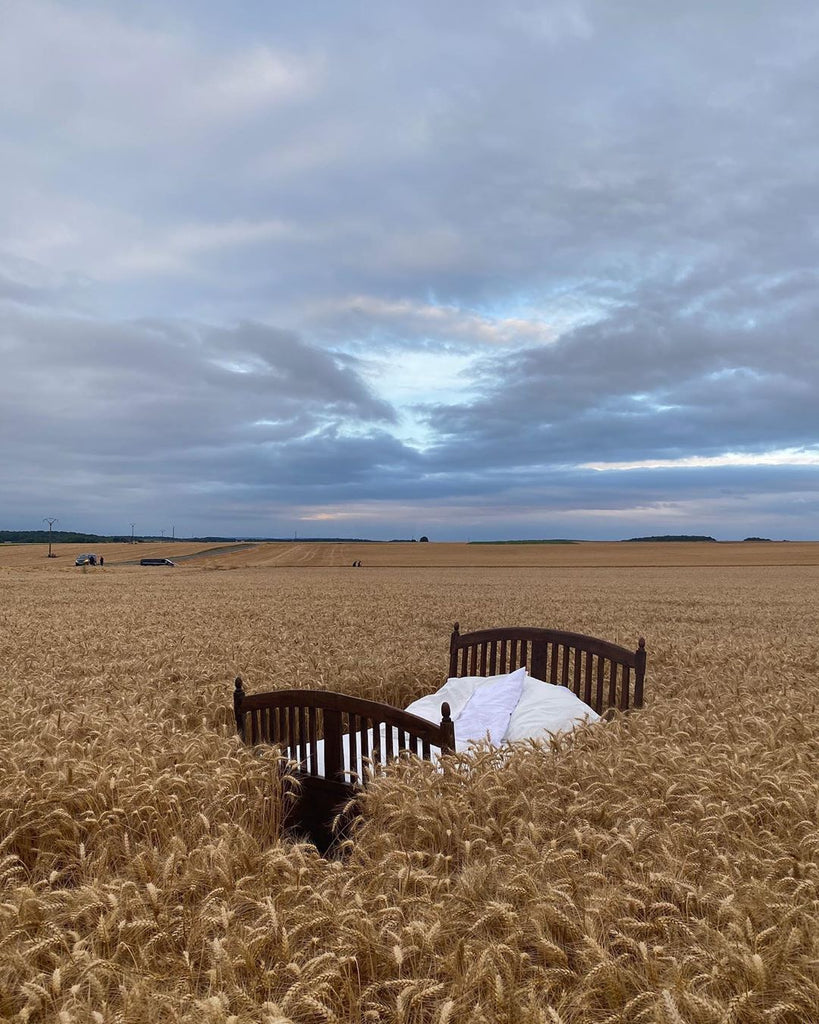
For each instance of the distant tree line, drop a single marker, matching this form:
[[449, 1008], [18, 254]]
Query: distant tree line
[[69, 537], [672, 537], [57, 536]]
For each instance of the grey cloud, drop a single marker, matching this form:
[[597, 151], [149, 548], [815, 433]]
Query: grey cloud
[[139, 402], [608, 204]]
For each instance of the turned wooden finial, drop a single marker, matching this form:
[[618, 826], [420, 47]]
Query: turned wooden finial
[[238, 698], [639, 672], [456, 628], [447, 730]]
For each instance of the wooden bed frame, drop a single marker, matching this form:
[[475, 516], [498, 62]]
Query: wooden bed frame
[[604, 675]]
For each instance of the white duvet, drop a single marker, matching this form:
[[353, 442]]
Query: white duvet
[[504, 708], [527, 707]]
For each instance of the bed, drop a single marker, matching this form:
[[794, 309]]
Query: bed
[[505, 684]]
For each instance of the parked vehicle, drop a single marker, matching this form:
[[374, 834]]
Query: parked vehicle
[[87, 559]]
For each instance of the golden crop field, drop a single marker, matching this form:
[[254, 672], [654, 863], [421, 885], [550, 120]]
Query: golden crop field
[[303, 555], [659, 869]]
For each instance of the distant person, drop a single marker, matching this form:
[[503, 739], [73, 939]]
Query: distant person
[[102, 560], [92, 559]]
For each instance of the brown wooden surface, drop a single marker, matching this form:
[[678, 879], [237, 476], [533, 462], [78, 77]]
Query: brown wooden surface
[[330, 701], [553, 655], [296, 720]]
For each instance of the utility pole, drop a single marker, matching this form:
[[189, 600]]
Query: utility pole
[[51, 523], [163, 534], [132, 532]]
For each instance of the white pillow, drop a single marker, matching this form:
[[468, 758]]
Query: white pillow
[[457, 691], [488, 711], [544, 708]]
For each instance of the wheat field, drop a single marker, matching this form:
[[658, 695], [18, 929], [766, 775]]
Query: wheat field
[[661, 868]]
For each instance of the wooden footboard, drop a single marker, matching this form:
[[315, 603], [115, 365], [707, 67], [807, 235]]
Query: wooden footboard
[[330, 734], [329, 740], [602, 674]]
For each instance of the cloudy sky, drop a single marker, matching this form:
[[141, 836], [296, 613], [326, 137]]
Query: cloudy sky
[[468, 269]]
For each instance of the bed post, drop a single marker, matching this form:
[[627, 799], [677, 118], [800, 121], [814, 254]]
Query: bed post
[[238, 698], [447, 729], [639, 672], [453, 650]]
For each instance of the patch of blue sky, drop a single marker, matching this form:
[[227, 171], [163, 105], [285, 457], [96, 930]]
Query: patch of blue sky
[[410, 380]]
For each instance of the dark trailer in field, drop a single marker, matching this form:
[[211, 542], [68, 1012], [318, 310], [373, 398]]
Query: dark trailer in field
[[156, 561]]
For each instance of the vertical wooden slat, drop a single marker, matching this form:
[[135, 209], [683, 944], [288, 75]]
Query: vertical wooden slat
[[425, 751], [365, 741], [493, 658], [292, 746], [377, 752], [483, 660], [553, 667], [464, 670], [473, 660], [564, 671], [503, 658], [587, 681], [598, 703], [312, 730], [625, 686], [254, 727], [332, 744], [578, 668], [354, 727], [388, 742], [612, 683], [302, 738], [537, 663]]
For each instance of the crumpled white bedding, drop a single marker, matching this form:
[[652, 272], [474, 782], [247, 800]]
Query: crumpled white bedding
[[505, 708], [528, 708]]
